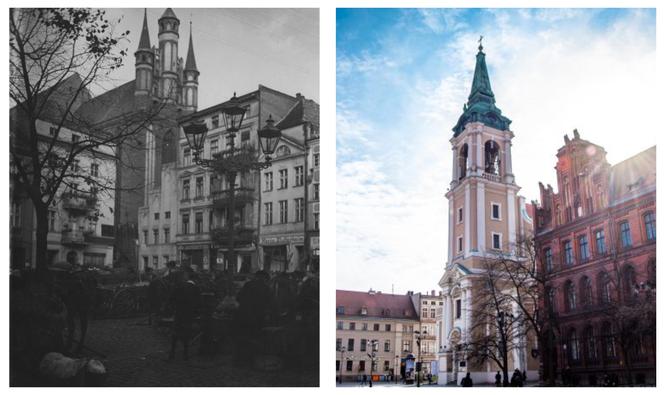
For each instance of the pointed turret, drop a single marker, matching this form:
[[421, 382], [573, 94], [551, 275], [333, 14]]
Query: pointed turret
[[144, 43], [144, 56], [190, 64], [481, 106], [190, 72], [169, 36]]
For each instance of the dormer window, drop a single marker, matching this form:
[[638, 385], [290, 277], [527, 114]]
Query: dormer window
[[340, 310], [363, 311]]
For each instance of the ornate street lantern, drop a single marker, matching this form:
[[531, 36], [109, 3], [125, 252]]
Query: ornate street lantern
[[195, 134], [269, 137], [233, 114]]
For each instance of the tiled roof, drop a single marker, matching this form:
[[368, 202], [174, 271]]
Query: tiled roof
[[633, 176], [304, 110], [114, 103], [377, 304]]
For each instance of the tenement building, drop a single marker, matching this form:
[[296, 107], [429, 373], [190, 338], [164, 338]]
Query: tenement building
[[596, 239], [428, 307], [487, 219], [80, 217], [384, 325]]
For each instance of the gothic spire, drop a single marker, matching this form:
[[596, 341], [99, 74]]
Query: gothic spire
[[190, 64], [144, 43], [481, 88]]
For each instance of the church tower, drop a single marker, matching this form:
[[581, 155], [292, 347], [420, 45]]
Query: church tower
[[168, 55], [486, 219], [144, 61], [190, 84]]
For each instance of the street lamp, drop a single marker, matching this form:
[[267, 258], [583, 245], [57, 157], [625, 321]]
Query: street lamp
[[230, 162], [372, 358], [418, 365], [341, 361]]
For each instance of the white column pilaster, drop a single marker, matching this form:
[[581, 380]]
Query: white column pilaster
[[466, 222], [450, 244], [481, 224], [511, 219]]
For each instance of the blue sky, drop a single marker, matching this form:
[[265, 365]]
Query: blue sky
[[403, 76]]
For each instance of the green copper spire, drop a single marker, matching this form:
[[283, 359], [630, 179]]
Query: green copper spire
[[481, 105]]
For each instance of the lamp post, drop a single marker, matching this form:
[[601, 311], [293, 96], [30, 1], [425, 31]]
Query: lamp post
[[341, 361], [372, 359], [230, 161], [418, 364], [396, 363]]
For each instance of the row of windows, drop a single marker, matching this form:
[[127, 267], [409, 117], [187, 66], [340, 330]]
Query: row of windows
[[365, 326], [600, 247], [581, 295], [155, 260], [362, 366], [374, 344], [591, 342], [283, 178], [495, 212], [167, 215], [496, 242], [283, 211], [155, 236]]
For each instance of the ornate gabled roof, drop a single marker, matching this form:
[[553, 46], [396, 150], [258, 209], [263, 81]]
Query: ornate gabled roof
[[169, 14], [481, 105], [190, 64], [304, 110], [144, 43]]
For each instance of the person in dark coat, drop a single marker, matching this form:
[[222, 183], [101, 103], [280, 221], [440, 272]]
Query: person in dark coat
[[516, 380], [185, 300], [467, 381], [254, 301], [498, 378]]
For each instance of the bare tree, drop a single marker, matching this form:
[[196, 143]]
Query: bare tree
[[56, 57], [496, 330]]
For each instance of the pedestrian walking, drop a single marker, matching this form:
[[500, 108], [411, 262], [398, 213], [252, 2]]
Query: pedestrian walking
[[185, 300], [467, 381], [364, 379], [498, 378]]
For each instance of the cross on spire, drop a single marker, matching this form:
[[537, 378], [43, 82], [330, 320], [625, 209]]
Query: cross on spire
[[480, 41]]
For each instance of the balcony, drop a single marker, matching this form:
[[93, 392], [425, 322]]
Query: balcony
[[491, 177], [79, 201], [243, 196], [74, 238]]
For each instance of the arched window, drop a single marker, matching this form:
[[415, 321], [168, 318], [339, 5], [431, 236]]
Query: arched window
[[492, 157], [629, 283], [168, 153], [604, 288], [463, 161], [608, 340], [590, 343], [570, 296], [573, 345], [586, 287]]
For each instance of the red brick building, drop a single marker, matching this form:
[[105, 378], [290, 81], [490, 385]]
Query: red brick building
[[596, 239]]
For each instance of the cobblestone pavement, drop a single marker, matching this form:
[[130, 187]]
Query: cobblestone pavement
[[137, 355]]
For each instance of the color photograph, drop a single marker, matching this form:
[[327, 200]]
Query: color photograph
[[495, 197]]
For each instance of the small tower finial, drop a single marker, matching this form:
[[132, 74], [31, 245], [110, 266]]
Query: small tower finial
[[480, 41]]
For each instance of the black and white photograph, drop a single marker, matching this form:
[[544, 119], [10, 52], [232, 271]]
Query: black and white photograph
[[164, 179]]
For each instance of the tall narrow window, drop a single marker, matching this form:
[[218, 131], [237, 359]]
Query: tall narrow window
[[94, 170], [649, 220], [463, 161], [268, 181], [625, 235], [167, 236], [299, 175], [458, 308], [51, 221], [591, 343], [460, 215], [584, 252], [199, 187], [548, 260], [570, 296], [586, 292], [299, 210], [283, 178], [186, 157], [185, 189], [198, 223], [214, 147], [605, 288], [492, 157], [268, 213], [155, 233], [600, 243], [185, 224], [569, 253], [573, 345], [283, 211]]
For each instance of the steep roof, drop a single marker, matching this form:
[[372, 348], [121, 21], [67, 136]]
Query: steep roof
[[190, 64], [144, 43], [377, 304], [114, 103], [633, 176], [168, 14], [304, 110], [481, 105]]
